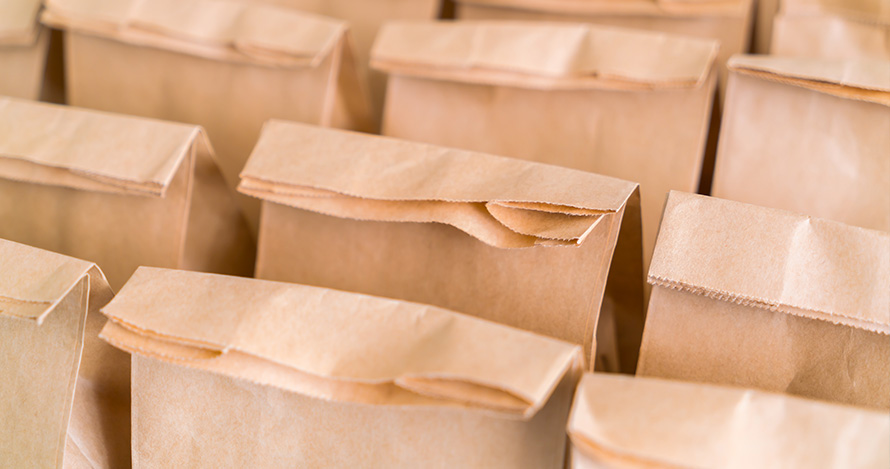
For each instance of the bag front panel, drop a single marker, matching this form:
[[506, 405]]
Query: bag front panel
[[555, 291], [235, 423], [694, 338], [790, 148]]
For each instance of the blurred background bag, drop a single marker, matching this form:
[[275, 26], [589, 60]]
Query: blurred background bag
[[121, 191], [810, 136], [225, 66]]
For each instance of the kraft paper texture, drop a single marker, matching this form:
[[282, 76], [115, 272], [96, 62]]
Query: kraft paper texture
[[726, 21], [628, 104], [64, 394], [223, 65], [520, 243], [23, 49], [120, 191], [623, 422], [768, 299], [810, 136], [833, 29], [365, 17], [298, 376]]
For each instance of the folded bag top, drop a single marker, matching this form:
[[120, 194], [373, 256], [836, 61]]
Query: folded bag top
[[18, 22], [501, 201], [859, 79], [774, 259], [667, 8], [543, 55], [644, 422], [336, 345], [91, 150], [867, 11], [34, 281], [216, 29]]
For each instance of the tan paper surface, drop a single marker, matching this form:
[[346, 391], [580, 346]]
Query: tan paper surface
[[298, 376], [121, 191], [623, 422], [64, 394], [768, 299], [833, 29], [365, 17], [765, 12], [822, 144], [627, 104], [23, 47], [223, 65], [520, 243], [726, 21]]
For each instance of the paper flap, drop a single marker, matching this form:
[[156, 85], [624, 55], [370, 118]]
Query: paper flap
[[18, 22], [545, 55], [642, 422], [657, 8], [34, 281], [774, 259], [504, 202], [214, 28], [867, 11], [860, 79], [335, 345], [90, 150]]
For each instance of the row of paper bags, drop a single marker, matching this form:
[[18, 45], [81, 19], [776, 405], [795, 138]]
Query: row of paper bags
[[229, 371], [625, 103]]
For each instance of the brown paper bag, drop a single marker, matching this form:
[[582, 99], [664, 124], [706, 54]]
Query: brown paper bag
[[807, 135], [833, 29], [768, 299], [222, 65], [296, 376], [365, 18], [121, 191], [23, 49], [64, 394], [627, 104], [726, 21], [623, 422], [520, 243]]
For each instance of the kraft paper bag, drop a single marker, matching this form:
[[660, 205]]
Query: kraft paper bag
[[624, 422], [268, 374], [768, 299], [810, 136], [120, 191], [64, 394], [365, 17], [627, 104], [515, 242], [726, 21], [23, 49], [833, 29], [223, 65]]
